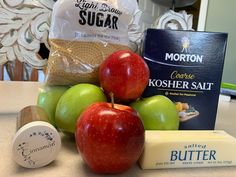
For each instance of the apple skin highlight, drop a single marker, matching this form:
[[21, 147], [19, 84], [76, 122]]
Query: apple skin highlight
[[125, 74], [110, 140]]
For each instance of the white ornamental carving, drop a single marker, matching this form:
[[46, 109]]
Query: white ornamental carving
[[24, 25], [175, 21]]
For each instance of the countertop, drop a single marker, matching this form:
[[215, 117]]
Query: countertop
[[16, 95]]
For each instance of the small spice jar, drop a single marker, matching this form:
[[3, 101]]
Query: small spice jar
[[36, 142]]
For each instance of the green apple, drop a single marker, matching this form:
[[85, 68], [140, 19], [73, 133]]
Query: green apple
[[73, 102], [48, 98], [157, 112]]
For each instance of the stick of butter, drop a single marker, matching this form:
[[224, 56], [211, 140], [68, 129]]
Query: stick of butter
[[182, 149]]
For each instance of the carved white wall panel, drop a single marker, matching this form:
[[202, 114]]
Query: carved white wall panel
[[24, 24], [175, 21]]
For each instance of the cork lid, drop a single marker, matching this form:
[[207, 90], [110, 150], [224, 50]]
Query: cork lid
[[36, 144]]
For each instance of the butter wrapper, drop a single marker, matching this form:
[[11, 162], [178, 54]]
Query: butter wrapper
[[184, 149]]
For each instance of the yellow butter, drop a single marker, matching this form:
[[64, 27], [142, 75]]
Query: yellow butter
[[182, 149]]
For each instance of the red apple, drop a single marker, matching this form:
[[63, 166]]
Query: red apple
[[125, 74], [110, 139]]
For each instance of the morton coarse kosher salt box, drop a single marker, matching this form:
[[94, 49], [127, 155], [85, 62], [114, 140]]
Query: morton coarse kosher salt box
[[186, 66]]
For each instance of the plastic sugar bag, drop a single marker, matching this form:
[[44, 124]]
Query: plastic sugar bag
[[83, 33]]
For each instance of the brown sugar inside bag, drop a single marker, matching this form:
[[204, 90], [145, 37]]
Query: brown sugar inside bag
[[83, 33], [76, 62]]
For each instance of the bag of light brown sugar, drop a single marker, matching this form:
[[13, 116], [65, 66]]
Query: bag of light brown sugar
[[83, 33]]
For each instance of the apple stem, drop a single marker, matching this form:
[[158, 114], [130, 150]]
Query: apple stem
[[112, 99]]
